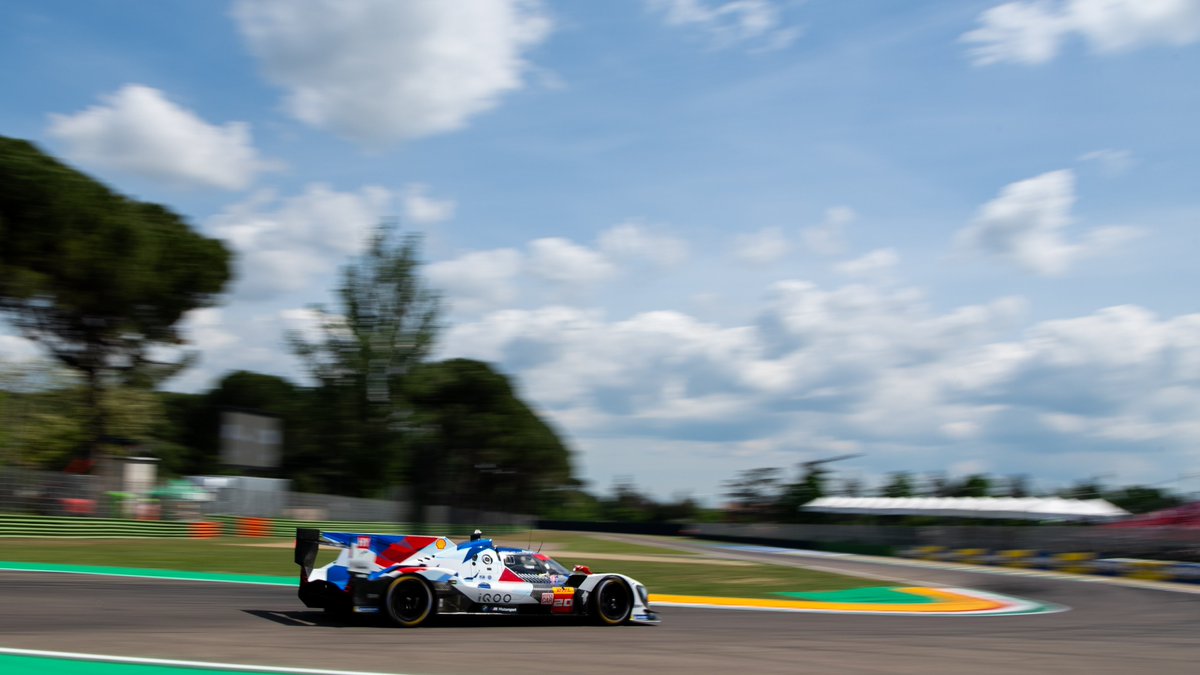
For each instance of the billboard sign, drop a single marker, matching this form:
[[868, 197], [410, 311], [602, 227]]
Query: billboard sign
[[250, 440]]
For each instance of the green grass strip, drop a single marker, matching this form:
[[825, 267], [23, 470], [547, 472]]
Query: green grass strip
[[873, 595], [20, 665]]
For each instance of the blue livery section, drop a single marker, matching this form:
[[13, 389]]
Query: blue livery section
[[379, 542], [471, 548], [338, 576]]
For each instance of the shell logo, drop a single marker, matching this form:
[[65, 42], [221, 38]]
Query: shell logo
[[441, 544]]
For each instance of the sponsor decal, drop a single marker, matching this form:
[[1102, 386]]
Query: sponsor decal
[[495, 597], [564, 600], [441, 544], [547, 598], [487, 559], [364, 542], [493, 608]]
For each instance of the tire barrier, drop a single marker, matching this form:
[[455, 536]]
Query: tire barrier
[[1076, 562]]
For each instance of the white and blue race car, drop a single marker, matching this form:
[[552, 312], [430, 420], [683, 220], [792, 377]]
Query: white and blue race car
[[412, 578]]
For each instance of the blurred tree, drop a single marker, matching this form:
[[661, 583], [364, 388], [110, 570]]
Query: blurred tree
[[480, 443], [573, 504], [899, 485], [812, 485], [852, 487], [755, 494], [1084, 489], [40, 415], [938, 485], [195, 423], [1142, 499], [680, 509], [1018, 486], [975, 485], [360, 359], [94, 277], [627, 504], [44, 419]]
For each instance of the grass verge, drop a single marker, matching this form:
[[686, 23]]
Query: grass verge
[[689, 576]]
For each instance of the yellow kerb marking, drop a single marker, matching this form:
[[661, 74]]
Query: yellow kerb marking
[[943, 601]]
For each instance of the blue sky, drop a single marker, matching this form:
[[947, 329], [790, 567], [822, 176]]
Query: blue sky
[[703, 235]]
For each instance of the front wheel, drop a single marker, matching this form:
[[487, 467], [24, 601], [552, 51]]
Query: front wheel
[[612, 603], [409, 601]]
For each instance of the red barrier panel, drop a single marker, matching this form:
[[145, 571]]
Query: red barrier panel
[[205, 530], [254, 527]]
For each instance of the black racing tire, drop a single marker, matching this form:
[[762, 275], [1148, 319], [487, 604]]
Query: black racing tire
[[612, 602], [410, 601]]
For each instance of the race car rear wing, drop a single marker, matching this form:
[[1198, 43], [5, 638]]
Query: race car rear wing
[[308, 541]]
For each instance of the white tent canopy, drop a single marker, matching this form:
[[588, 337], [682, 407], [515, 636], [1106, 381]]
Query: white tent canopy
[[1010, 508]]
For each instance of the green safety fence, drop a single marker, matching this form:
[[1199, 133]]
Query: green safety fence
[[285, 527], [29, 526], [25, 526]]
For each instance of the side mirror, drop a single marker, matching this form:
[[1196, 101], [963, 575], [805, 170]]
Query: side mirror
[[582, 569]]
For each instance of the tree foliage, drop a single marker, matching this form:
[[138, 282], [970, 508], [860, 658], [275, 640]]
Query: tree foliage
[[360, 359], [196, 422], [755, 493], [43, 413], [898, 485], [481, 445], [1143, 499], [94, 277]]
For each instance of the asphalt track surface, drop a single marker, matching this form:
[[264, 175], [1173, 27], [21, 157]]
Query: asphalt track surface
[[1109, 629]]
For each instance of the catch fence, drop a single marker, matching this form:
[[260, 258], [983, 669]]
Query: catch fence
[[40, 503]]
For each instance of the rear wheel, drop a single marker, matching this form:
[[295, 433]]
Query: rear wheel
[[612, 603], [410, 601]]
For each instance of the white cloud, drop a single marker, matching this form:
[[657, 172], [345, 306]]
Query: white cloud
[[1032, 31], [866, 367], [205, 329], [16, 348], [829, 238], [551, 267], [632, 240], [1112, 162], [237, 337], [877, 262], [139, 131], [287, 244], [561, 261], [422, 209], [765, 246], [1025, 226], [478, 280], [757, 23], [382, 71]]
